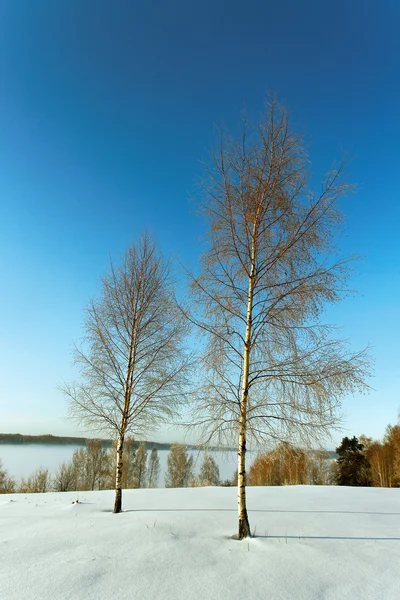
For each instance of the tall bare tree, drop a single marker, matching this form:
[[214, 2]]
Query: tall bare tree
[[133, 366], [273, 369]]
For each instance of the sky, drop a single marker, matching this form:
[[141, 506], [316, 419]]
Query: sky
[[106, 112]]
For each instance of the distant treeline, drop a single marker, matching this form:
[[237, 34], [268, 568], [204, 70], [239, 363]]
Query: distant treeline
[[93, 468], [18, 438]]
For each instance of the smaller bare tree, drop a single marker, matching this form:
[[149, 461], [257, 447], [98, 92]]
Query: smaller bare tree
[[319, 463], [139, 478], [133, 368], [65, 478], [154, 469], [128, 464], [180, 467], [209, 471], [7, 483], [96, 464], [38, 482]]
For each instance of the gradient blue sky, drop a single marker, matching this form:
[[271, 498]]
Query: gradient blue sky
[[106, 109]]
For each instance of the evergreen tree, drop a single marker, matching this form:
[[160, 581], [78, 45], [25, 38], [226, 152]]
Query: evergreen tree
[[153, 469], [353, 467], [180, 467]]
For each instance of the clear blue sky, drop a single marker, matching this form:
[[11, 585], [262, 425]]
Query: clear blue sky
[[106, 109]]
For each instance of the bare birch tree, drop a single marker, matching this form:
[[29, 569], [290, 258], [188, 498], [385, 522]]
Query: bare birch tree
[[133, 368], [273, 370]]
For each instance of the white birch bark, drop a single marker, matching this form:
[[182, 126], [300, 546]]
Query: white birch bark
[[118, 475], [244, 526]]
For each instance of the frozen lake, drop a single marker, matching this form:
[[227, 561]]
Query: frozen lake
[[22, 460]]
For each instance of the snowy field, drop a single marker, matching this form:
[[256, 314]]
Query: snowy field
[[174, 544]]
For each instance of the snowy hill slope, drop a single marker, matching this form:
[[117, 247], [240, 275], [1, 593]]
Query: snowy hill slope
[[311, 543]]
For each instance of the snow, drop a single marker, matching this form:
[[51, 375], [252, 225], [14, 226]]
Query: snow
[[310, 543]]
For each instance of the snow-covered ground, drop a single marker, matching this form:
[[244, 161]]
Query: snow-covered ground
[[175, 544]]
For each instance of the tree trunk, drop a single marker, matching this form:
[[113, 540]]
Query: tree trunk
[[244, 526], [118, 477]]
